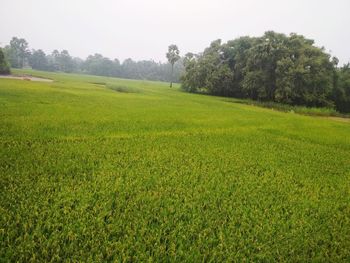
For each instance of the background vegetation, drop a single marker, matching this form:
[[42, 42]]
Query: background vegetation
[[4, 65], [274, 67], [19, 55], [101, 169]]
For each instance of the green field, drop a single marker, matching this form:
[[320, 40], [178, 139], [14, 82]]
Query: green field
[[97, 169]]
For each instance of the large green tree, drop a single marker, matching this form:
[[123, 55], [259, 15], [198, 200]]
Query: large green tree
[[99, 65], [260, 71], [38, 60], [235, 54], [65, 61], [18, 52]]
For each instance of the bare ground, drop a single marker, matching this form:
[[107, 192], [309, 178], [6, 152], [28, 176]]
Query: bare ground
[[28, 78]]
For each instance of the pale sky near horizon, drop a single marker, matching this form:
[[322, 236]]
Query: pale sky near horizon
[[144, 29]]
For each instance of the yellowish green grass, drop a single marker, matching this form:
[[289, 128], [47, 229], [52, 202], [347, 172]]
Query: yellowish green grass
[[101, 169]]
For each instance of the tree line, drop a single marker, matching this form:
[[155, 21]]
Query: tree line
[[274, 67], [18, 54]]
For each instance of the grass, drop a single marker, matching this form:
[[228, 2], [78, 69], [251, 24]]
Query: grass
[[94, 175], [125, 89], [310, 111]]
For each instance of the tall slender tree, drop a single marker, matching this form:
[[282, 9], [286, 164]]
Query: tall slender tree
[[173, 55]]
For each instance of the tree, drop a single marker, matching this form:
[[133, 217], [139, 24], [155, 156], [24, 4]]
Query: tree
[[65, 61], [53, 60], [262, 60], [38, 60], [18, 52], [99, 65], [235, 54], [341, 93], [173, 55], [273, 67], [4, 65]]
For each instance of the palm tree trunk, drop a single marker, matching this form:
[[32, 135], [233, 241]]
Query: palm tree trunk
[[171, 77]]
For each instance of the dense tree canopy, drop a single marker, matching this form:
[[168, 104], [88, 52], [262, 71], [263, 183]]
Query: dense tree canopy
[[274, 67], [341, 92]]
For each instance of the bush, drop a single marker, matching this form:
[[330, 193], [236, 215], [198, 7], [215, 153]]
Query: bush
[[123, 89]]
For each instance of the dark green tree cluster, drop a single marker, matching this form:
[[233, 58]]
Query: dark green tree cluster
[[341, 92], [144, 69], [38, 60], [17, 52], [4, 65], [274, 67], [61, 61], [19, 56]]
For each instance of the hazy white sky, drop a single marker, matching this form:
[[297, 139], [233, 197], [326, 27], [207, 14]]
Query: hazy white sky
[[143, 29]]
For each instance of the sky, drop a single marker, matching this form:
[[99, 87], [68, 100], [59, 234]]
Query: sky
[[144, 29]]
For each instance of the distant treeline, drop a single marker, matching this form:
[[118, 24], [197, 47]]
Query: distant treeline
[[19, 55], [274, 67]]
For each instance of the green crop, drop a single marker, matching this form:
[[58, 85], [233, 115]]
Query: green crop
[[98, 169]]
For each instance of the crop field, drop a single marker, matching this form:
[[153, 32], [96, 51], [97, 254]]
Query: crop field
[[97, 169]]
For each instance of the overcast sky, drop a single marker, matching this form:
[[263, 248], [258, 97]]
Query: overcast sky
[[144, 29]]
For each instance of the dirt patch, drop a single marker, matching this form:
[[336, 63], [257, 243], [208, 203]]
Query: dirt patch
[[28, 78]]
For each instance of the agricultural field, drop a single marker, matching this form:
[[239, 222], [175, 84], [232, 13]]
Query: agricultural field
[[97, 169]]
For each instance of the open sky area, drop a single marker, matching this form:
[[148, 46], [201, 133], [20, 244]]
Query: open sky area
[[143, 29]]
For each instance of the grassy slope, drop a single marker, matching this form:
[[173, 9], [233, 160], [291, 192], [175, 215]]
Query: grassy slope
[[90, 173]]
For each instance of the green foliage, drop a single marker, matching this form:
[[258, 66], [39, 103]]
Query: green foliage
[[38, 60], [173, 55], [94, 64], [274, 67], [341, 94], [4, 65], [123, 88], [312, 111], [17, 52], [65, 61], [99, 65], [92, 175]]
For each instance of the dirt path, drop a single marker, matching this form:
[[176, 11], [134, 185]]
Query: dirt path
[[29, 78]]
